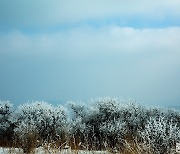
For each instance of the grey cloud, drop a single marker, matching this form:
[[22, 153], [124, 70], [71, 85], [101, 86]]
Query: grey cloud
[[87, 41], [87, 62]]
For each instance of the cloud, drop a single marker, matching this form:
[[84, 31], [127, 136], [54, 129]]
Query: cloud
[[44, 13], [84, 62], [89, 41]]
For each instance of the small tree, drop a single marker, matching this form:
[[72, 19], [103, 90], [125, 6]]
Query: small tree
[[41, 121], [160, 134], [7, 122]]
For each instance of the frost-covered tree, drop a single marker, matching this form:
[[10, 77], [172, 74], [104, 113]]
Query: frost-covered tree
[[107, 120], [42, 119], [7, 122], [160, 134]]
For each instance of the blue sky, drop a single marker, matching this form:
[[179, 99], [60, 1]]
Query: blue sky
[[83, 49]]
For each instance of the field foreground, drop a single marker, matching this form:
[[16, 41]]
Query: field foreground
[[49, 151]]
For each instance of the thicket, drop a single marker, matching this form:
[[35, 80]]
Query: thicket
[[102, 124]]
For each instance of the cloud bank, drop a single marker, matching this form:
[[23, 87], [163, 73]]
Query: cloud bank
[[85, 62], [87, 41]]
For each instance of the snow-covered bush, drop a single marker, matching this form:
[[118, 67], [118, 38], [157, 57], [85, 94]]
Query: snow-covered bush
[[107, 121], [161, 134], [113, 133], [7, 122], [45, 121], [77, 127], [104, 123], [134, 116]]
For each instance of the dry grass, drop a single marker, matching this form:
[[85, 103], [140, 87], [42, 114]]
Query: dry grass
[[30, 147], [129, 147]]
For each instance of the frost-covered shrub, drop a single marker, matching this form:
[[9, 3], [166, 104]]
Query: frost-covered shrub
[[161, 134], [134, 116], [7, 122], [107, 121], [77, 128], [112, 110], [112, 133], [104, 123], [46, 121], [173, 116]]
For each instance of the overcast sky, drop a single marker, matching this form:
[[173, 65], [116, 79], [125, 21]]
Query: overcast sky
[[81, 49]]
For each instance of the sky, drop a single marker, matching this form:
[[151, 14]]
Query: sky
[[63, 50]]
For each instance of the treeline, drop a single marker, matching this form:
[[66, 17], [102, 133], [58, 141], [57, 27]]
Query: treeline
[[103, 124]]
